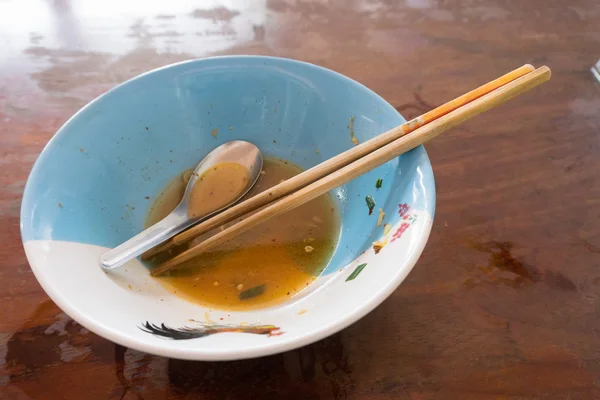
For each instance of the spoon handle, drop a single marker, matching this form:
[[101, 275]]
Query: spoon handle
[[166, 228]]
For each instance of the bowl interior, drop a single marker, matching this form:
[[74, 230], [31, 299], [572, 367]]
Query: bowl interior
[[92, 187]]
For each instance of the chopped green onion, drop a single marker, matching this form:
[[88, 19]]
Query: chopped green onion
[[355, 273], [370, 203]]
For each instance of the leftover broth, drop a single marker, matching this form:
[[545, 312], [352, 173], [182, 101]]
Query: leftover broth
[[217, 187], [264, 266]]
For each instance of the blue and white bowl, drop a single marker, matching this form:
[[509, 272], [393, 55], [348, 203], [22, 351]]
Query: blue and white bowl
[[93, 184]]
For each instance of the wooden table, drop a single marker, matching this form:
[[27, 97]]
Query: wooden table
[[504, 302]]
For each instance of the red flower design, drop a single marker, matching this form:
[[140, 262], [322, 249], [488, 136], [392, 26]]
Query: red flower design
[[398, 234], [403, 209]]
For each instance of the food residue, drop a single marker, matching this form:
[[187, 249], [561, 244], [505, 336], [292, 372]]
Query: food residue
[[186, 176], [264, 266], [207, 318], [381, 217], [379, 183], [252, 292], [215, 132], [370, 203], [387, 228], [351, 128], [356, 272], [377, 246], [380, 244]]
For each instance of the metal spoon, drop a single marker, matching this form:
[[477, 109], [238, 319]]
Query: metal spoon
[[243, 153]]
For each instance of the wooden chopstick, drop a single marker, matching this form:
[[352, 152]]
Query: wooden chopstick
[[309, 176], [366, 163]]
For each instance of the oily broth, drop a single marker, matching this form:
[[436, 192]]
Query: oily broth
[[218, 186], [266, 265]]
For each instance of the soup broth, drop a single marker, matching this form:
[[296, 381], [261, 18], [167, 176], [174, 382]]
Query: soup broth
[[266, 265], [218, 186]]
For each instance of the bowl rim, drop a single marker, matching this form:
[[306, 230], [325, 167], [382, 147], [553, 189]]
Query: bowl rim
[[252, 352]]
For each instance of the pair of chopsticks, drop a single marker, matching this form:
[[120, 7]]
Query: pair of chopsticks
[[352, 163]]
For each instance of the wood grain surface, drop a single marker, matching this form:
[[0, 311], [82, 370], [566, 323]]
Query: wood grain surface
[[505, 301]]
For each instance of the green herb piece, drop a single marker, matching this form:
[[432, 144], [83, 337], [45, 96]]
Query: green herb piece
[[370, 203], [252, 292], [355, 273], [379, 183]]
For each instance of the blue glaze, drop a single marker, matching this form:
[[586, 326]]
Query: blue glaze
[[90, 183]]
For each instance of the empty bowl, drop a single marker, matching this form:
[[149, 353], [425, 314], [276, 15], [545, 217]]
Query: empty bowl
[[94, 183]]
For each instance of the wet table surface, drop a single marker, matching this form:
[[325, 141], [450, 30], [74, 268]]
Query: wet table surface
[[504, 302]]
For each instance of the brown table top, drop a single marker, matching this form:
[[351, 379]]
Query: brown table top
[[504, 302]]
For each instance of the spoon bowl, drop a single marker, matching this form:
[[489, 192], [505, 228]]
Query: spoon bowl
[[240, 152]]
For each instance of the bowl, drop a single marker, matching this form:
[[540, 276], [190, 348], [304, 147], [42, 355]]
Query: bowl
[[94, 182]]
